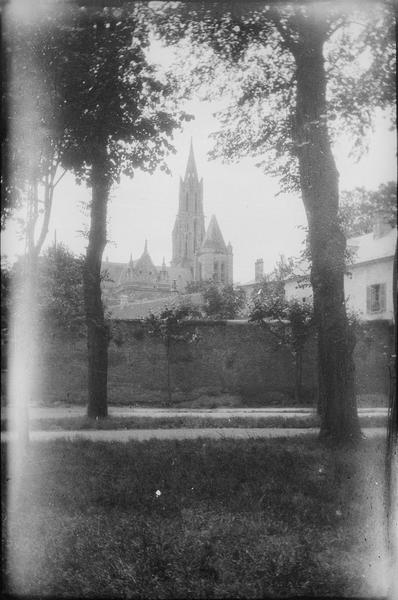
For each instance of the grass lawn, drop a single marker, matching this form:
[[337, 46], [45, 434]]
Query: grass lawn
[[111, 422], [214, 519]]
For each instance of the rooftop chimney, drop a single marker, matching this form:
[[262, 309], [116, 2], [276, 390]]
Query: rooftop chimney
[[259, 270], [381, 224]]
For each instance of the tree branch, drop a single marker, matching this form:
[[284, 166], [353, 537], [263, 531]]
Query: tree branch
[[59, 178]]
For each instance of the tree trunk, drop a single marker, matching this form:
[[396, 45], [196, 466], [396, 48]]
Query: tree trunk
[[319, 185], [169, 395], [298, 362], [97, 329]]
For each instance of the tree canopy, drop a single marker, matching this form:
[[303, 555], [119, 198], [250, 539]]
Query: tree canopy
[[107, 89], [360, 207], [258, 42]]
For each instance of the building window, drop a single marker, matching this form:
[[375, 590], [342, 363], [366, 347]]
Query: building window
[[223, 272], [215, 271], [376, 298]]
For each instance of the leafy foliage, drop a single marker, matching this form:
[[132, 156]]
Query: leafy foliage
[[359, 208], [169, 326], [219, 302], [59, 294], [257, 43], [60, 286], [292, 322], [224, 303], [283, 268], [169, 323], [109, 92]]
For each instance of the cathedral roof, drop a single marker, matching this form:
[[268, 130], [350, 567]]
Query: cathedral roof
[[144, 263], [213, 238], [191, 165]]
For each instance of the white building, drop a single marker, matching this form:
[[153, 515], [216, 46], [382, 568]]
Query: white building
[[368, 283]]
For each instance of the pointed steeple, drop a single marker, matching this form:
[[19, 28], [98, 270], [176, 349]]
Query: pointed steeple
[[214, 239], [131, 259], [145, 261], [189, 227], [191, 165]]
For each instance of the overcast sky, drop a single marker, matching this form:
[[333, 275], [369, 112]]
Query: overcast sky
[[258, 223]]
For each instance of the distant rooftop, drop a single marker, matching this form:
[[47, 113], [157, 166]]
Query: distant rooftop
[[363, 248], [142, 308], [368, 247]]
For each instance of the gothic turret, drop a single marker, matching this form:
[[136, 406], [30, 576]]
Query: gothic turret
[[214, 257]]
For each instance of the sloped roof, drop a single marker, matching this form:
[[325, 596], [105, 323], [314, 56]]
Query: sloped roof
[[368, 247], [141, 309], [145, 263], [213, 239]]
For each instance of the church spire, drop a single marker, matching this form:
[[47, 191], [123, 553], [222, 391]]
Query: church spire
[[191, 165]]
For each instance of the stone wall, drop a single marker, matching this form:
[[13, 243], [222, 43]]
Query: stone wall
[[375, 345], [234, 358]]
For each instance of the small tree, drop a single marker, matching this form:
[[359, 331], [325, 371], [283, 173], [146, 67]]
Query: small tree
[[60, 295], [290, 322], [219, 302], [169, 326], [118, 115], [283, 268]]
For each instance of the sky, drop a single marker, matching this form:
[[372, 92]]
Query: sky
[[258, 222]]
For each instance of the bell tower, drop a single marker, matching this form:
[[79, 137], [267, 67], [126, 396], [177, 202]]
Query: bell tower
[[189, 227]]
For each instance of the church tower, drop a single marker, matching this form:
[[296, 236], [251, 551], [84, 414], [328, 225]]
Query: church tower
[[215, 258], [189, 227]]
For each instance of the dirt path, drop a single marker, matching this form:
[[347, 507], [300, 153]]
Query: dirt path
[[58, 412]]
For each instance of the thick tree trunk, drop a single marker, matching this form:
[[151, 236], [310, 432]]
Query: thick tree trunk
[[97, 329], [319, 185]]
